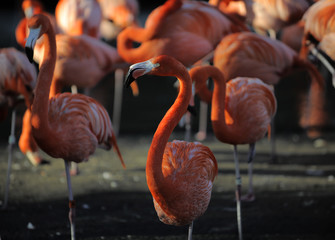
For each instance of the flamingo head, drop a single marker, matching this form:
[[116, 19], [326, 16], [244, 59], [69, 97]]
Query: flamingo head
[[38, 25], [162, 65], [139, 69]]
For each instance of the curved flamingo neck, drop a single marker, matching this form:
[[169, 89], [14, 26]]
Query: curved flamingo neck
[[159, 186], [218, 96], [40, 107], [133, 34]]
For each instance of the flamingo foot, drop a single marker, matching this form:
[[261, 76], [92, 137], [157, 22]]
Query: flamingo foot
[[250, 197]]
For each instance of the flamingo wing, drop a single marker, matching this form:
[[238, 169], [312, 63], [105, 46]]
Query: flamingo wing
[[82, 122], [250, 106]]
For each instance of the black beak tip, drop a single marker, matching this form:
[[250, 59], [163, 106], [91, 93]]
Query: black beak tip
[[129, 78], [29, 53]]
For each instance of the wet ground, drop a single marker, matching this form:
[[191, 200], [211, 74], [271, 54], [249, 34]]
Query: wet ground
[[295, 196]]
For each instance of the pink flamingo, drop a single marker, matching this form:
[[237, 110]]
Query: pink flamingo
[[179, 174], [77, 17], [67, 126], [17, 78], [242, 110]]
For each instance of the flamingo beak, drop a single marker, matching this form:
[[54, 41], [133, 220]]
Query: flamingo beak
[[34, 34], [137, 70]]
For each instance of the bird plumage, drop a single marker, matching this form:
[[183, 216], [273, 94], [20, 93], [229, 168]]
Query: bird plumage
[[186, 30], [179, 174]]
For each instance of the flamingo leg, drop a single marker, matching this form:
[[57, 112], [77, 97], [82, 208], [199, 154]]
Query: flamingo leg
[[201, 135], [11, 142], [72, 206], [118, 90], [238, 193], [250, 195], [74, 167], [190, 230], [273, 141]]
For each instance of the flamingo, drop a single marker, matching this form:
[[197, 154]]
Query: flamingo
[[84, 17], [319, 33], [247, 54], [179, 174], [17, 78], [186, 30], [89, 58], [117, 15], [266, 15], [31, 7], [77, 17], [242, 110], [67, 126]]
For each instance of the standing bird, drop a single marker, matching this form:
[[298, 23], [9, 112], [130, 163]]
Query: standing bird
[[179, 174], [185, 30], [17, 79], [250, 55], [242, 110], [67, 126], [78, 17]]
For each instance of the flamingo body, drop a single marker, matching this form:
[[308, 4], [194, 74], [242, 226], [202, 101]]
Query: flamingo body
[[90, 59], [185, 30], [77, 17], [17, 75], [247, 54], [250, 106], [93, 127], [261, 57], [191, 168], [244, 106]]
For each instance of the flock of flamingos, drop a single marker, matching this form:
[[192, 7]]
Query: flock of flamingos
[[235, 43]]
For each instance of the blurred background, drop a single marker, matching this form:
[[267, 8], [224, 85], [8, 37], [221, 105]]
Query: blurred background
[[142, 114]]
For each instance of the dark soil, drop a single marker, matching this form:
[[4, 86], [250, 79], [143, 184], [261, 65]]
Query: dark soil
[[295, 197]]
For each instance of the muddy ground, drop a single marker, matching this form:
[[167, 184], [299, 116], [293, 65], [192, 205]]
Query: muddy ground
[[295, 196]]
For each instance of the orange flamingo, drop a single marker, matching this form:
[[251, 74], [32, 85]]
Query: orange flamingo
[[266, 15], [90, 58], [67, 126], [319, 33], [77, 17], [31, 7], [242, 110], [17, 78], [186, 30], [247, 54], [179, 174], [117, 15]]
